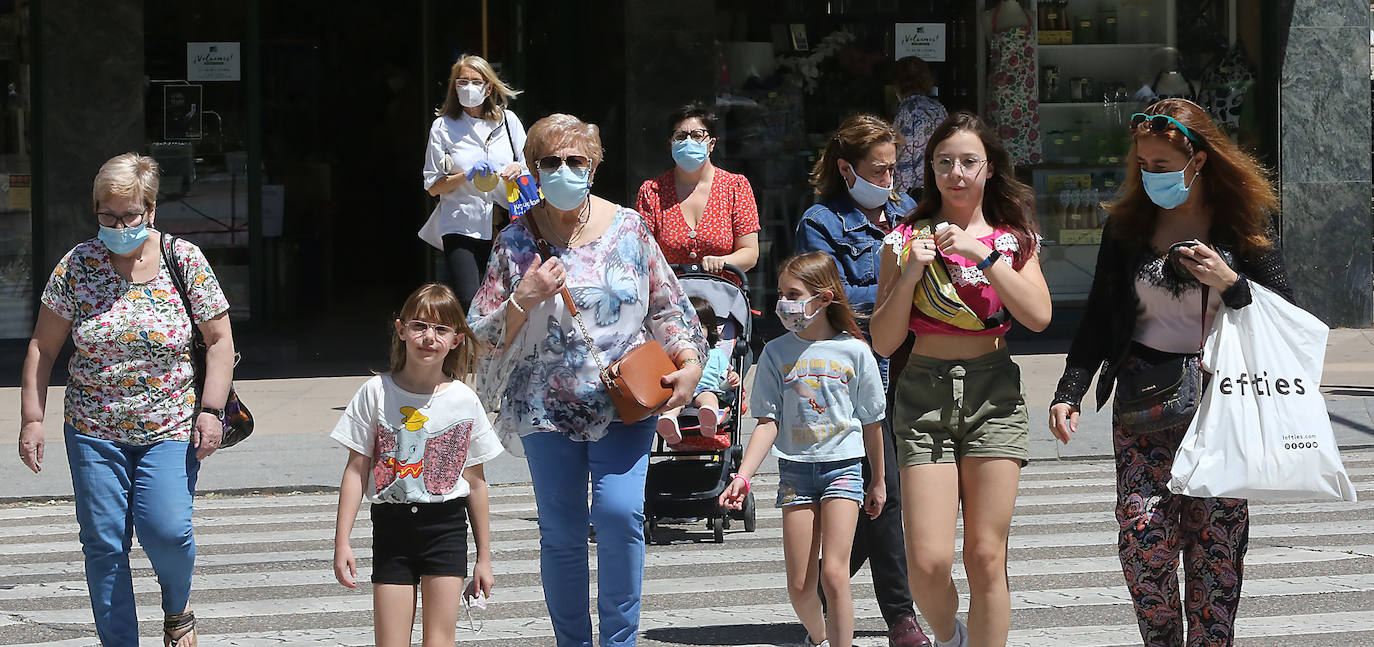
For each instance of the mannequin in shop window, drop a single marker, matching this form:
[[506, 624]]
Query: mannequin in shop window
[[1013, 87]]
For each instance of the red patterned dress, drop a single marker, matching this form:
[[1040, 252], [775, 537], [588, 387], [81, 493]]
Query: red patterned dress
[[730, 213]]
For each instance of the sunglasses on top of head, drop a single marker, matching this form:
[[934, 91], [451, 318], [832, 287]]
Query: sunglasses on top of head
[[551, 163], [1161, 123]]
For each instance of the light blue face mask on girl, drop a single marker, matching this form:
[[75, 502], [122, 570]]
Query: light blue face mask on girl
[[123, 241], [565, 188], [1167, 190], [690, 154]]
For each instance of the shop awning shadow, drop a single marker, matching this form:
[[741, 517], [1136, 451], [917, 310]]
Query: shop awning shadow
[[753, 634]]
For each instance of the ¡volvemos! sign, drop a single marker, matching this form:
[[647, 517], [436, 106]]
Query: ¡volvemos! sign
[[212, 62]]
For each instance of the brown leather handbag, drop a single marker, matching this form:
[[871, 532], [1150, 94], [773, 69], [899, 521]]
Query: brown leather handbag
[[635, 381]]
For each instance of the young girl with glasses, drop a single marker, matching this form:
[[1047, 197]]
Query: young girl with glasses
[[417, 439], [820, 404]]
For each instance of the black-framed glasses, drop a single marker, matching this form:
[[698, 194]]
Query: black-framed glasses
[[1161, 123], [473, 82], [417, 328], [112, 219], [550, 163], [945, 165], [697, 135]]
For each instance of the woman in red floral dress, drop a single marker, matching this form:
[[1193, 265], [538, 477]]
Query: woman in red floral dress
[[698, 213]]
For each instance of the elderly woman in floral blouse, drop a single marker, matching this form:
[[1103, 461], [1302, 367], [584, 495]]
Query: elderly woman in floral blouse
[[135, 430], [541, 369]]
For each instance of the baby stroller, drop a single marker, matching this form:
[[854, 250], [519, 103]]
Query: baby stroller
[[685, 480]]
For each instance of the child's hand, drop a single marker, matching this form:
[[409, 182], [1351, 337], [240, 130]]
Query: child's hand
[[732, 378], [482, 581], [876, 499], [345, 567], [733, 496]]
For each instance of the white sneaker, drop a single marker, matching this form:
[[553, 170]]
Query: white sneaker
[[806, 642], [960, 638], [668, 429]]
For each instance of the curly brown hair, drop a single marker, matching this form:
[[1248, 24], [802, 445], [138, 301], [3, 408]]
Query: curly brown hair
[[1235, 183]]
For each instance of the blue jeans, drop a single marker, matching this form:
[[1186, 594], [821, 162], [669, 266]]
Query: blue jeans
[[119, 488], [617, 465]]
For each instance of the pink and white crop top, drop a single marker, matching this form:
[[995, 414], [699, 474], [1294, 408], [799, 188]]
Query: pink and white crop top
[[973, 287]]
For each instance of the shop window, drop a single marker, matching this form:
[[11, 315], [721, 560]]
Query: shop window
[[16, 179]]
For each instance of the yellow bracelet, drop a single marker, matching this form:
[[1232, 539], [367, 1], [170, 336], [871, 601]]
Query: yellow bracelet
[[691, 360]]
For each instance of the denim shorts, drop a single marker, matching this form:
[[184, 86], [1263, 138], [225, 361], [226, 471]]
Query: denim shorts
[[806, 483]]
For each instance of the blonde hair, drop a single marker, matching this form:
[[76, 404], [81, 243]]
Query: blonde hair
[[127, 176], [495, 102], [436, 303], [558, 130], [817, 271]]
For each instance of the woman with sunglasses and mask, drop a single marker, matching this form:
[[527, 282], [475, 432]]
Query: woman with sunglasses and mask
[[541, 365], [959, 406], [700, 214], [136, 429], [1147, 315], [858, 206], [474, 144]]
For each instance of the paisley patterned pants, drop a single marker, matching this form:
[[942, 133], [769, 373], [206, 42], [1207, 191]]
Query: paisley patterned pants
[[1157, 526]]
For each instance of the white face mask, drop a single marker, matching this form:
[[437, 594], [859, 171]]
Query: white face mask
[[866, 194], [471, 96]]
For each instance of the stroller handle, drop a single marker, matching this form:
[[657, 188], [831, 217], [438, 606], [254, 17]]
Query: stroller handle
[[696, 268]]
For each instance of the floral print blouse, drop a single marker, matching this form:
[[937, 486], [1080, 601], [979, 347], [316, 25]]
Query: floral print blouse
[[131, 379], [548, 380], [917, 117]]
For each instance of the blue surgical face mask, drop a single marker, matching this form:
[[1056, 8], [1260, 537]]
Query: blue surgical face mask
[[565, 188], [1167, 190], [690, 154], [123, 241]]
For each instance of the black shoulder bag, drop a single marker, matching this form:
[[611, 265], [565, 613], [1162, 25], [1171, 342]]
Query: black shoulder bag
[[1154, 394], [237, 419]]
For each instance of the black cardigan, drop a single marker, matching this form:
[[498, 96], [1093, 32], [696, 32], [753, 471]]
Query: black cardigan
[[1104, 335]]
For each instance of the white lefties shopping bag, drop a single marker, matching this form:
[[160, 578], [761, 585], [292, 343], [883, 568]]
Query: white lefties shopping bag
[[1261, 430]]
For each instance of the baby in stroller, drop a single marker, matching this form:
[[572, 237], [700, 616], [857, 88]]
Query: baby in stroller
[[717, 385]]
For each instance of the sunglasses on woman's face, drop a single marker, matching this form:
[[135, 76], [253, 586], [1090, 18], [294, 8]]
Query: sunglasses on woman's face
[[1161, 123], [551, 163]]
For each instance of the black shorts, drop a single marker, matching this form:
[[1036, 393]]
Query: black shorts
[[414, 539]]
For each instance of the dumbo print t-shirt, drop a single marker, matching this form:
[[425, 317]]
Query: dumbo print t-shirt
[[419, 443]]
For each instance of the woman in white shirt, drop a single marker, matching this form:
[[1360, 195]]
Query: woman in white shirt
[[474, 143]]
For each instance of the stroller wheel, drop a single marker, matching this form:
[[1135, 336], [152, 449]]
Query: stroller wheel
[[750, 519], [718, 527]]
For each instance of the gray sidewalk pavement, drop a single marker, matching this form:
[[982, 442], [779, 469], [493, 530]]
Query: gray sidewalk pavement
[[291, 449]]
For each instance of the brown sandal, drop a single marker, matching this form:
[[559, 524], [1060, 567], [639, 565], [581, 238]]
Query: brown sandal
[[179, 630]]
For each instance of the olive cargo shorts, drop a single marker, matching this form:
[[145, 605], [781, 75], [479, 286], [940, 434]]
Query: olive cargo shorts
[[945, 410]]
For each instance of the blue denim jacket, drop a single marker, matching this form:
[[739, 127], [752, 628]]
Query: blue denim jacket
[[837, 227], [840, 229]]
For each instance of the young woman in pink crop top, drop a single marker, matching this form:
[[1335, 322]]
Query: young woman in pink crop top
[[959, 412]]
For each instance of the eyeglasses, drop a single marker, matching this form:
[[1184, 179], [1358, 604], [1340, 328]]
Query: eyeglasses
[[417, 328], [111, 219], [551, 163], [697, 135], [478, 83], [945, 165], [1161, 123]]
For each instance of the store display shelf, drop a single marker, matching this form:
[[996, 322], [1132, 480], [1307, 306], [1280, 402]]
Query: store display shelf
[[1098, 47]]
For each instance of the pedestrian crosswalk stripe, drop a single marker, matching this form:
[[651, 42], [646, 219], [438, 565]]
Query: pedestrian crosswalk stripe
[[1063, 565]]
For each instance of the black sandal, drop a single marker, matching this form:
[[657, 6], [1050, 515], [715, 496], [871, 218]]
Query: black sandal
[[178, 629]]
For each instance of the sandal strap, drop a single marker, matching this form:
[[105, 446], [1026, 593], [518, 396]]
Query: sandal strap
[[179, 626]]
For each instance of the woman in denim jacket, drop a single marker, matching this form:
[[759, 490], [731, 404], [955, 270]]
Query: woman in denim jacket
[[857, 206]]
